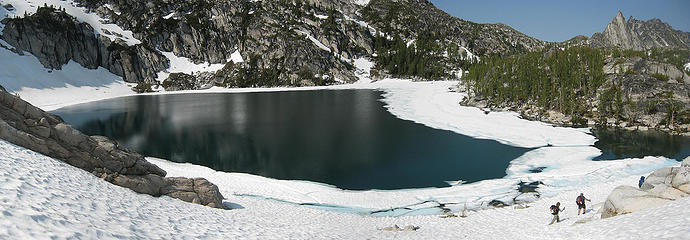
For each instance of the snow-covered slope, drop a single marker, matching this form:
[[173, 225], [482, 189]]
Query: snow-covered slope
[[44, 198], [26, 76], [52, 89], [567, 169]]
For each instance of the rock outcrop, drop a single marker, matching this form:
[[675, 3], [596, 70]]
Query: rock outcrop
[[643, 66], [410, 18], [396, 228], [55, 38], [282, 43], [28, 126], [267, 37], [180, 81], [640, 35], [660, 187], [635, 90]]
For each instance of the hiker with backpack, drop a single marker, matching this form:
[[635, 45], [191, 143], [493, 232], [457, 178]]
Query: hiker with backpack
[[555, 209], [580, 201], [639, 183]]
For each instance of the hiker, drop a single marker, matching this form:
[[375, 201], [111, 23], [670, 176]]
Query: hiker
[[639, 184], [555, 209], [580, 200]]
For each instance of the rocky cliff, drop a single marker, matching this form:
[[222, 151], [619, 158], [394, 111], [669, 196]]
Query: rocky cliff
[[583, 86], [294, 42], [409, 18], [649, 93], [640, 35], [660, 187], [30, 127], [55, 38]]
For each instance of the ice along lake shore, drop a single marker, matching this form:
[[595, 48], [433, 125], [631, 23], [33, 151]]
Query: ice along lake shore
[[565, 154]]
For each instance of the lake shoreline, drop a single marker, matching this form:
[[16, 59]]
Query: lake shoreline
[[564, 154], [565, 170]]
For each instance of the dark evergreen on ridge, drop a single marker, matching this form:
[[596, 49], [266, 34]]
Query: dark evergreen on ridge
[[632, 75], [279, 49]]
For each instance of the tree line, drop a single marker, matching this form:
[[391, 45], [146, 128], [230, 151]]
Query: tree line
[[558, 79]]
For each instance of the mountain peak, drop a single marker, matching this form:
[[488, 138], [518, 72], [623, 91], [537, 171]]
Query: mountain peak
[[640, 35], [619, 16]]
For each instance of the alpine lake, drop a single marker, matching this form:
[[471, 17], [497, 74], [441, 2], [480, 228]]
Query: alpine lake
[[344, 138]]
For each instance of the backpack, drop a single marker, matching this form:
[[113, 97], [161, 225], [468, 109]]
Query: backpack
[[580, 200], [554, 209], [641, 182]]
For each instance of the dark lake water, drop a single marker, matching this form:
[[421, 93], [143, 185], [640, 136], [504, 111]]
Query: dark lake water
[[341, 137], [617, 143]]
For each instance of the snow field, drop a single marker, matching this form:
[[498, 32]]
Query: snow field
[[575, 171], [52, 89], [44, 198], [436, 104]]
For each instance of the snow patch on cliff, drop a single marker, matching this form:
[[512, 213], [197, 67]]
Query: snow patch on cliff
[[185, 65], [82, 14], [236, 57], [314, 40], [363, 70], [362, 2]]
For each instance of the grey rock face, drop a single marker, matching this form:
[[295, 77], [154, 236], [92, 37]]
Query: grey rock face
[[180, 81], [640, 35], [146, 184], [279, 40], [25, 125], [660, 187], [627, 199], [412, 17], [642, 66], [270, 32], [636, 77], [197, 190], [618, 34], [55, 38]]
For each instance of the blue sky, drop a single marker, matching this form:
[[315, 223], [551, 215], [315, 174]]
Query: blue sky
[[559, 20]]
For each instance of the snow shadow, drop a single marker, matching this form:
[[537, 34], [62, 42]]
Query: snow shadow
[[18, 72], [230, 205]]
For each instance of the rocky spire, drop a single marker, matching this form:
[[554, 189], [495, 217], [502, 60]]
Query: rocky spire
[[618, 34], [620, 18], [640, 35]]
